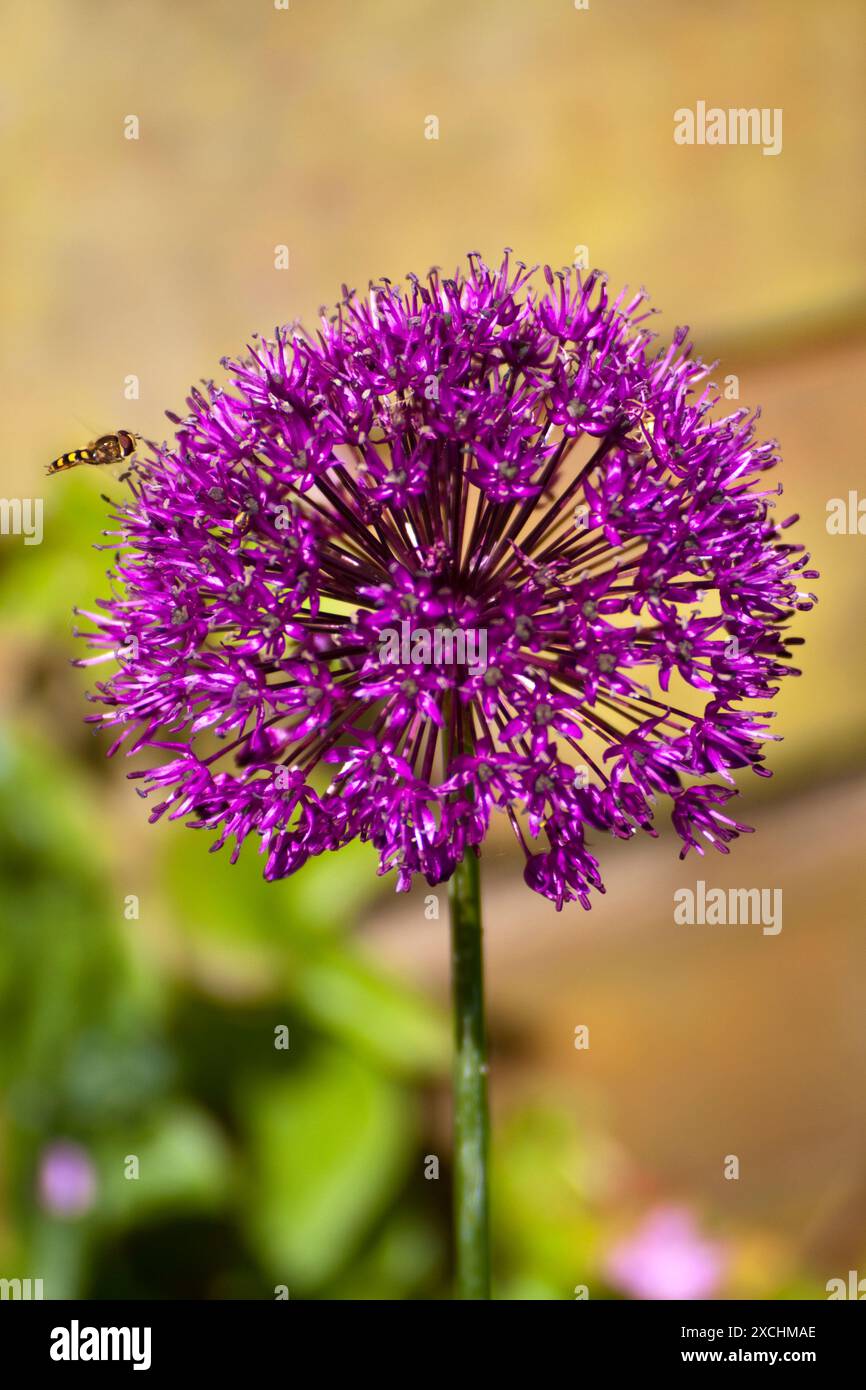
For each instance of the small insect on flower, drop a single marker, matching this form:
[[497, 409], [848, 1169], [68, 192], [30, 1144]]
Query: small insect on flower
[[640, 421], [108, 448]]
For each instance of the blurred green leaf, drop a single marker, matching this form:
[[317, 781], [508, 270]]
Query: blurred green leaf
[[280, 937], [44, 582], [405, 1260], [353, 1000], [549, 1232], [241, 921], [328, 1146], [110, 1075], [183, 1163], [63, 961], [59, 1251], [330, 892], [48, 816]]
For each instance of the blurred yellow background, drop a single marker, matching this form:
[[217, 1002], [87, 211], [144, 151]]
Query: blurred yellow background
[[153, 257]]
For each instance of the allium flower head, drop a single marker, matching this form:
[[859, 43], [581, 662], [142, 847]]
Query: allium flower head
[[470, 549]]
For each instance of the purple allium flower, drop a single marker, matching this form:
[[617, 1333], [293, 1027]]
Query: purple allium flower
[[474, 459], [66, 1179], [667, 1257]]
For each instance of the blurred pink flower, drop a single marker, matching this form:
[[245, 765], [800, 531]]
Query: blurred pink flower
[[67, 1179], [666, 1257]]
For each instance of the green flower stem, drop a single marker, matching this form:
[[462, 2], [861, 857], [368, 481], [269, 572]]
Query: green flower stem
[[471, 1120]]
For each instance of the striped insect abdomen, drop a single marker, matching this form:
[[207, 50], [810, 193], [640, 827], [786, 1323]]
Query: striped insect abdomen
[[75, 456]]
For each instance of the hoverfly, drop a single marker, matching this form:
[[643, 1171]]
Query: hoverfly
[[639, 419], [108, 448]]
